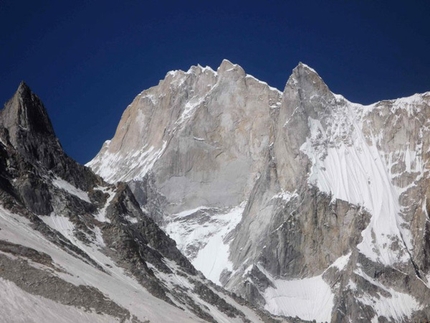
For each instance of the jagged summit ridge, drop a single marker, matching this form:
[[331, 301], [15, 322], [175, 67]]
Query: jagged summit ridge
[[281, 197], [182, 100], [225, 65]]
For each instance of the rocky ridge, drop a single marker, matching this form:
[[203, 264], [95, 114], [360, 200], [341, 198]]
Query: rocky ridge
[[73, 247], [302, 202]]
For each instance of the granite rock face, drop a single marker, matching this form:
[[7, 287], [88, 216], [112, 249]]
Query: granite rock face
[[75, 248], [302, 202], [212, 164]]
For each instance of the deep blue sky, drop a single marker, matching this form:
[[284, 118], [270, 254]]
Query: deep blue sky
[[87, 60]]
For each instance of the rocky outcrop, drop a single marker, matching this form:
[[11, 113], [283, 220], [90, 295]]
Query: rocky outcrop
[[302, 202]]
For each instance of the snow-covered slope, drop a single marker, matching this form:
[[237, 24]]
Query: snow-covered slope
[[112, 282], [336, 208], [354, 170], [203, 234]]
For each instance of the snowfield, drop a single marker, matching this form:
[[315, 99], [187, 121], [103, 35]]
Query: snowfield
[[212, 258], [114, 283]]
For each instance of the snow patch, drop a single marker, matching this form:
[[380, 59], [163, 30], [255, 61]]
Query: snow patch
[[285, 196], [131, 219], [341, 262], [209, 237], [396, 307], [410, 104], [99, 237], [308, 298], [66, 186], [189, 212], [101, 214], [61, 224], [134, 165], [189, 109], [356, 172]]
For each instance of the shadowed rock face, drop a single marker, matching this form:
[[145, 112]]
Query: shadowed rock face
[[30, 150], [72, 245], [333, 191], [27, 120], [30, 132]]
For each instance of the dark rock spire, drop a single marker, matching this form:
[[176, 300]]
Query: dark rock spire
[[28, 128]]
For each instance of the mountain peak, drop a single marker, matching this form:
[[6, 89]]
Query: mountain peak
[[23, 87], [227, 66], [303, 70], [305, 66], [28, 126], [25, 113], [306, 79], [26, 95], [29, 130]]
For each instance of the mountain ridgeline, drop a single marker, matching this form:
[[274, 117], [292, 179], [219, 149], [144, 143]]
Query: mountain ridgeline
[[74, 248], [220, 199], [303, 203]]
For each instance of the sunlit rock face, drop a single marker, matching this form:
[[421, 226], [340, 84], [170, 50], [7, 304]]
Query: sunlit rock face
[[304, 203], [203, 133]]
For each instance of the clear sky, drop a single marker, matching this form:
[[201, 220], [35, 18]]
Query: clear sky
[[87, 60]]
